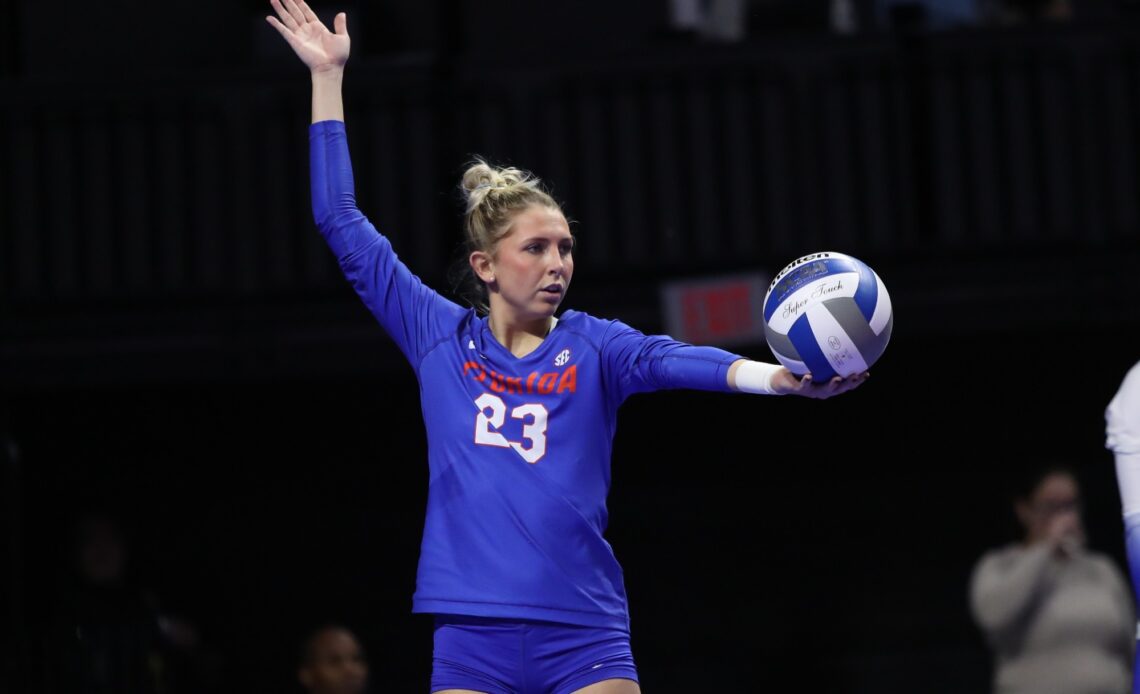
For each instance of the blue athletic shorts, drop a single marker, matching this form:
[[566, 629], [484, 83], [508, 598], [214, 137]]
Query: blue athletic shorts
[[503, 656]]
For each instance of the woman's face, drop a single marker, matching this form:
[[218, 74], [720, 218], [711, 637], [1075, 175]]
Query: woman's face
[[529, 271], [1053, 510]]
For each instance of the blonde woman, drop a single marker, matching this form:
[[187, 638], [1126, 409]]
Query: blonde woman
[[520, 410]]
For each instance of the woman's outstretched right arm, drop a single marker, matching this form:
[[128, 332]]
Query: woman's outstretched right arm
[[322, 51]]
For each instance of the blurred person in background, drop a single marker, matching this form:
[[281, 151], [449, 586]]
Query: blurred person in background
[[928, 14], [1017, 11], [106, 634], [1058, 617], [1122, 437], [332, 662], [711, 20]]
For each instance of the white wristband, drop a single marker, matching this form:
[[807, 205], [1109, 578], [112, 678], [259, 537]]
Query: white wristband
[[756, 377]]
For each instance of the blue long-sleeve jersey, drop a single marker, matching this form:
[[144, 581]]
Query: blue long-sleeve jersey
[[518, 447]]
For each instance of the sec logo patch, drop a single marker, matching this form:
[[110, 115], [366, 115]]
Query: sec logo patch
[[563, 358]]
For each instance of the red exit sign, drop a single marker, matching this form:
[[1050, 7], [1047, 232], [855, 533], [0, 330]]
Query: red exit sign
[[720, 310]]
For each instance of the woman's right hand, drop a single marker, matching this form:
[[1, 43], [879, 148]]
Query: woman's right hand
[[316, 46]]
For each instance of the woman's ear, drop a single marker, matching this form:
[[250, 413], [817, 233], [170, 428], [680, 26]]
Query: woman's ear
[[482, 265]]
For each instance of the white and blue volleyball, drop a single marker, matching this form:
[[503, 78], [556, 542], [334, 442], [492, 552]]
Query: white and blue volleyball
[[827, 314]]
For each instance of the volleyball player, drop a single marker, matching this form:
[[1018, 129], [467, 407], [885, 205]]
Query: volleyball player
[[1122, 437], [520, 409]]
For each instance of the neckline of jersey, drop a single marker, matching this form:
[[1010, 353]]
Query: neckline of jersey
[[489, 338]]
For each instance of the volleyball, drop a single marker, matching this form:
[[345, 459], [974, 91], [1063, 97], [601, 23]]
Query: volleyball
[[828, 314]]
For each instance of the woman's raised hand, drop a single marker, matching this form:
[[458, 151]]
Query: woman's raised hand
[[316, 46]]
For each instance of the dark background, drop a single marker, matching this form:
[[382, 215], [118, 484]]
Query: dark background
[[177, 348]]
